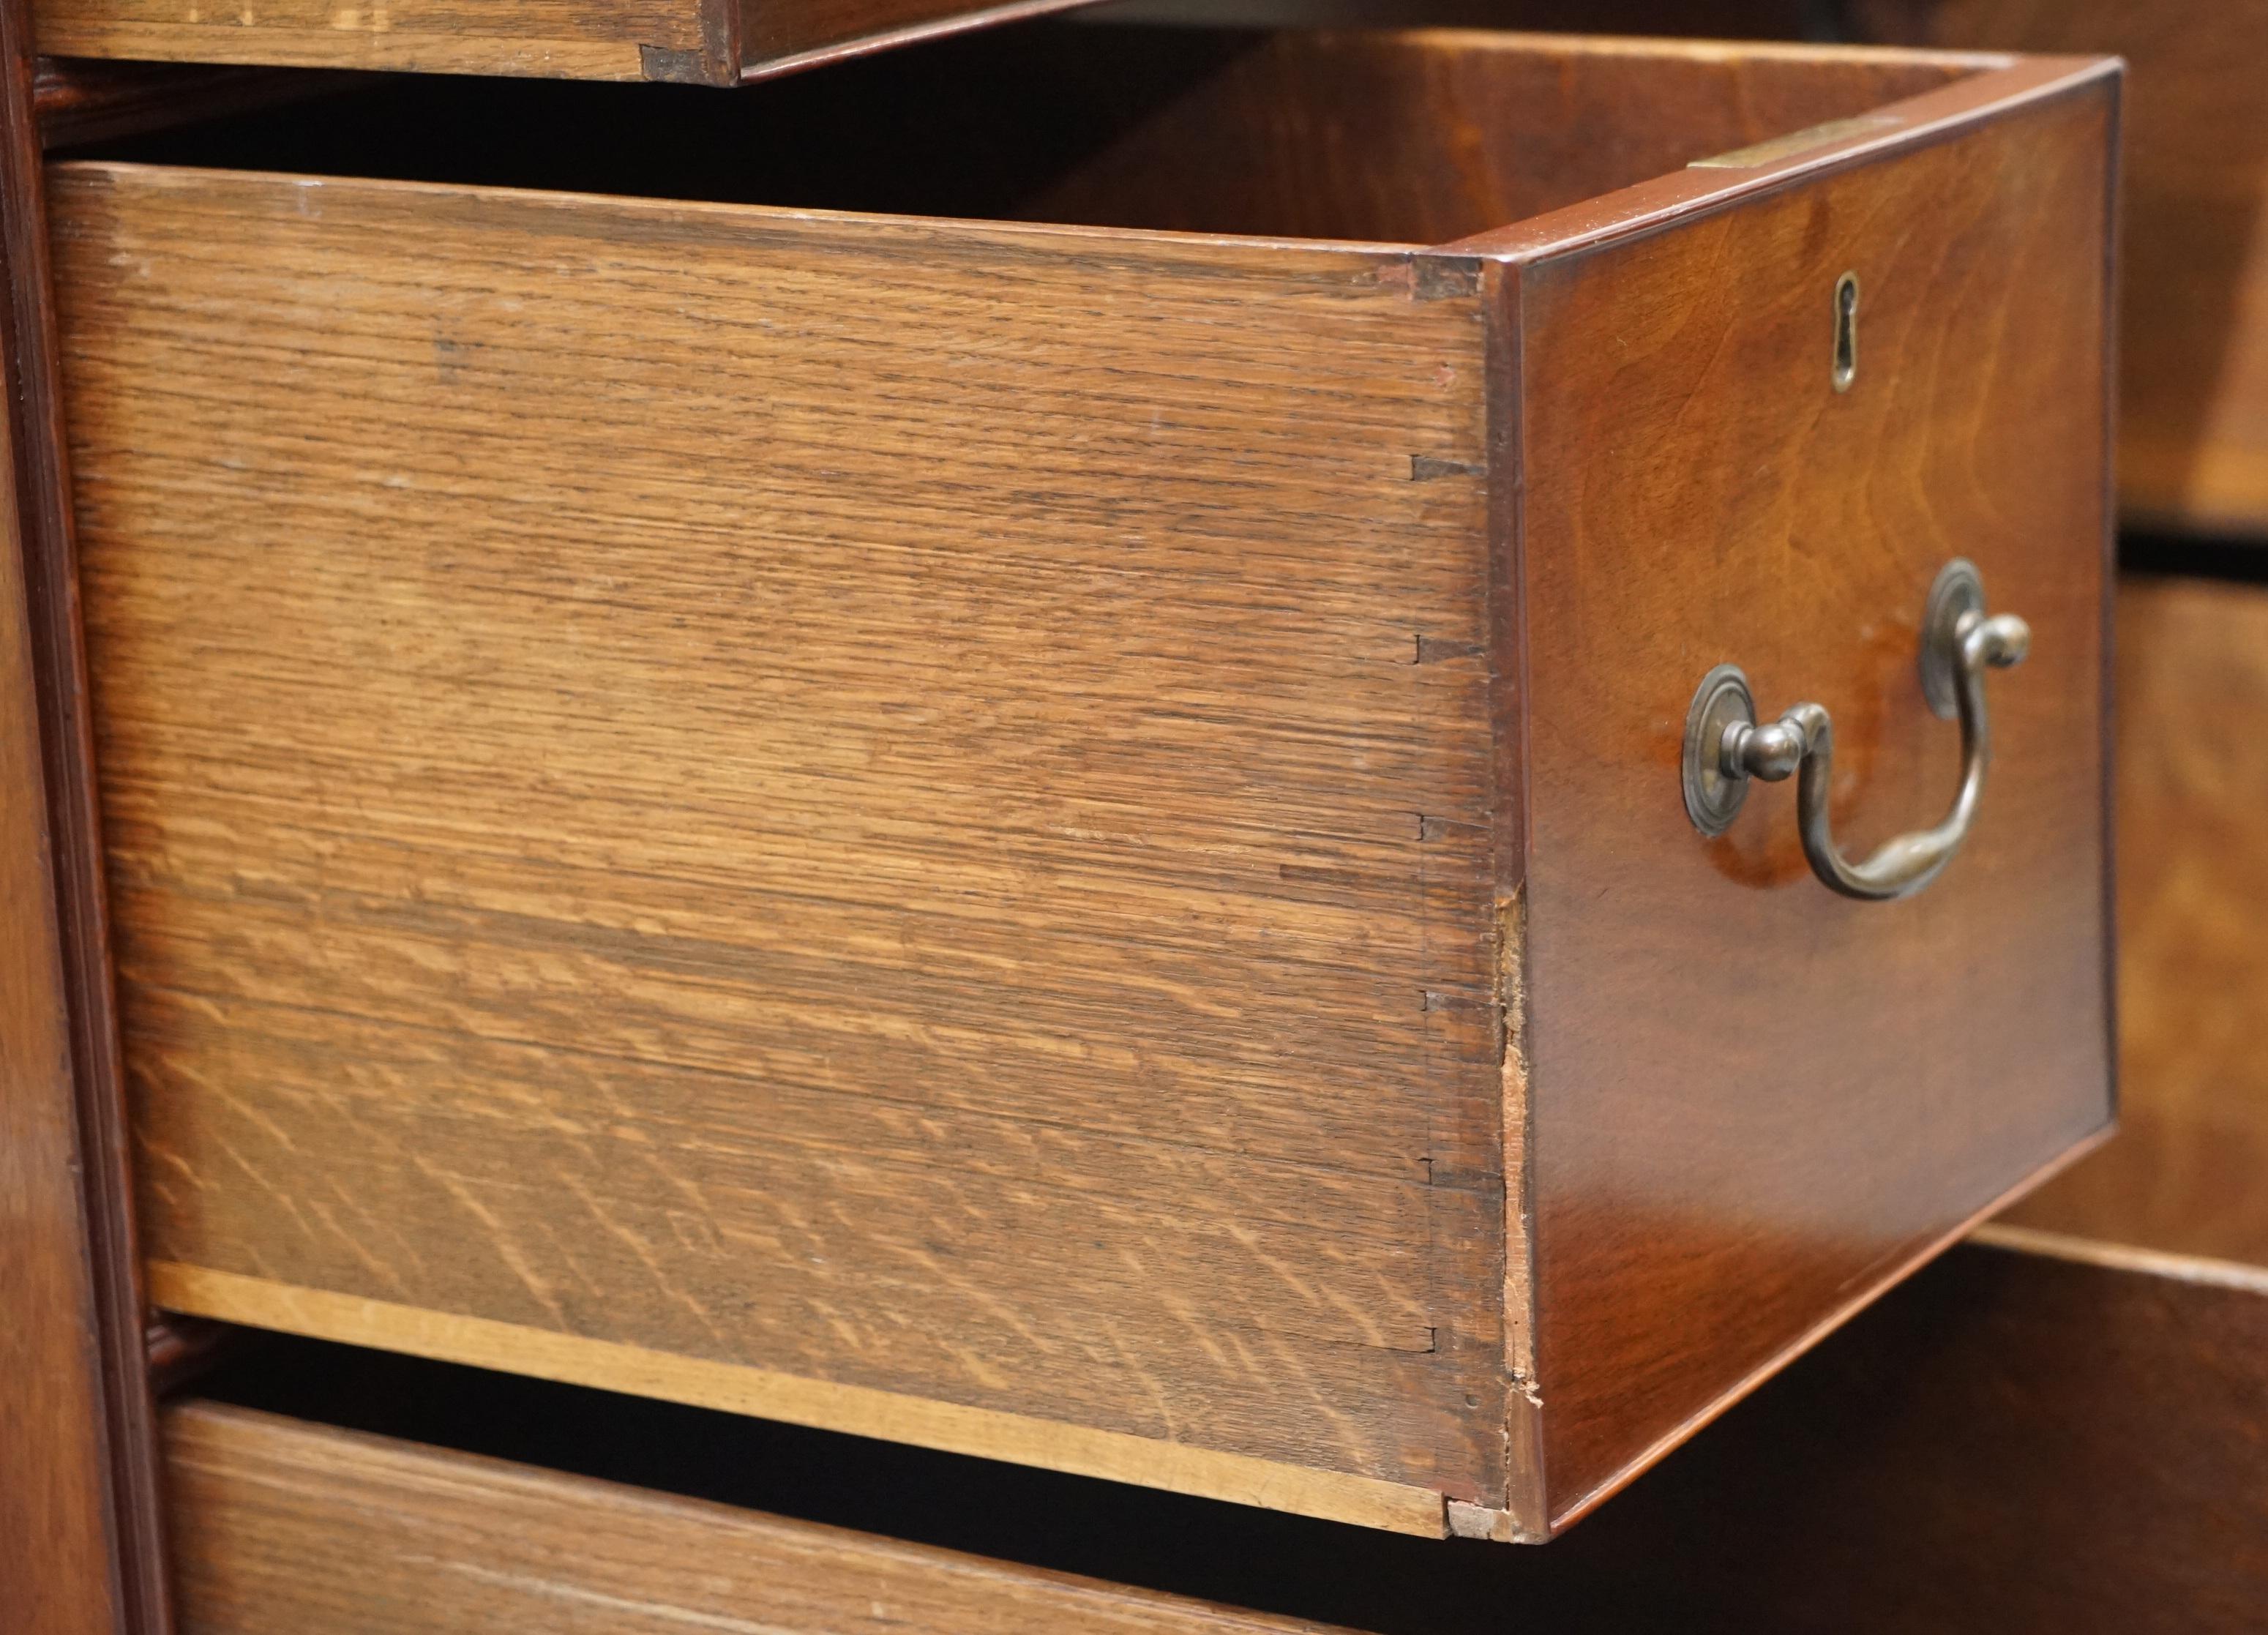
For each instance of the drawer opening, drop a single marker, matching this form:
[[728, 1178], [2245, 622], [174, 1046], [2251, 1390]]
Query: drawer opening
[[1379, 136]]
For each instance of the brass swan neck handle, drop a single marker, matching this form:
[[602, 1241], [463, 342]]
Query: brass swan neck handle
[[1725, 748]]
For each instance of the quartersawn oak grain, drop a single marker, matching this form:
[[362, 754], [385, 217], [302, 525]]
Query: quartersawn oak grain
[[286, 1527], [1071, 991], [2184, 1175], [983, 838]]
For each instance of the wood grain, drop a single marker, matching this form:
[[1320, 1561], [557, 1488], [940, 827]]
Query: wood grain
[[287, 1527], [55, 1471], [1750, 1100], [2193, 449], [715, 42], [572, 38], [782, 839], [674, 791], [2184, 1174], [80, 1547]]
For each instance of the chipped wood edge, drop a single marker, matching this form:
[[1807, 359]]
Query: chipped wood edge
[[1523, 1518], [820, 1405], [2197, 1268]]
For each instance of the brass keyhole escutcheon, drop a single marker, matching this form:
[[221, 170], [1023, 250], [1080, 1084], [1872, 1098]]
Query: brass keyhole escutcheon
[[1847, 331]]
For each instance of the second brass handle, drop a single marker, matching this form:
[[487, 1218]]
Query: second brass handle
[[1725, 746]]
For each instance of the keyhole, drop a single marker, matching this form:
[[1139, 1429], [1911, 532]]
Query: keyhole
[[1847, 331]]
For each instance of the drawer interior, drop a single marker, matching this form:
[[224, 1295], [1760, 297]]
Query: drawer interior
[[1397, 136]]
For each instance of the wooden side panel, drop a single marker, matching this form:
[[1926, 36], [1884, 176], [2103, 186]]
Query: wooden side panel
[[1754, 1103], [2184, 1175], [287, 1528], [80, 1544], [2193, 342], [905, 805]]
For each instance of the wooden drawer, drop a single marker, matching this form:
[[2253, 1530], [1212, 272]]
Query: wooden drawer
[[1065, 841], [715, 42], [287, 1527]]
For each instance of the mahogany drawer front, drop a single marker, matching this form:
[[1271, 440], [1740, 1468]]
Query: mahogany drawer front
[[1064, 841], [719, 43], [282, 1526]]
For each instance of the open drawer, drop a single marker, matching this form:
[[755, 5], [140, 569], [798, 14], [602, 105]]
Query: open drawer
[[1071, 836]]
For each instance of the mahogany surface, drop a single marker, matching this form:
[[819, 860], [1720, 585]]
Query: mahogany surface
[[1105, 815], [79, 1539], [982, 833], [1748, 1101]]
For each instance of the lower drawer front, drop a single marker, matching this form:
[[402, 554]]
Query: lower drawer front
[[281, 1527]]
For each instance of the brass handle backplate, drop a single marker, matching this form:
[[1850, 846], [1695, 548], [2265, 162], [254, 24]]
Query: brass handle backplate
[[1725, 748]]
